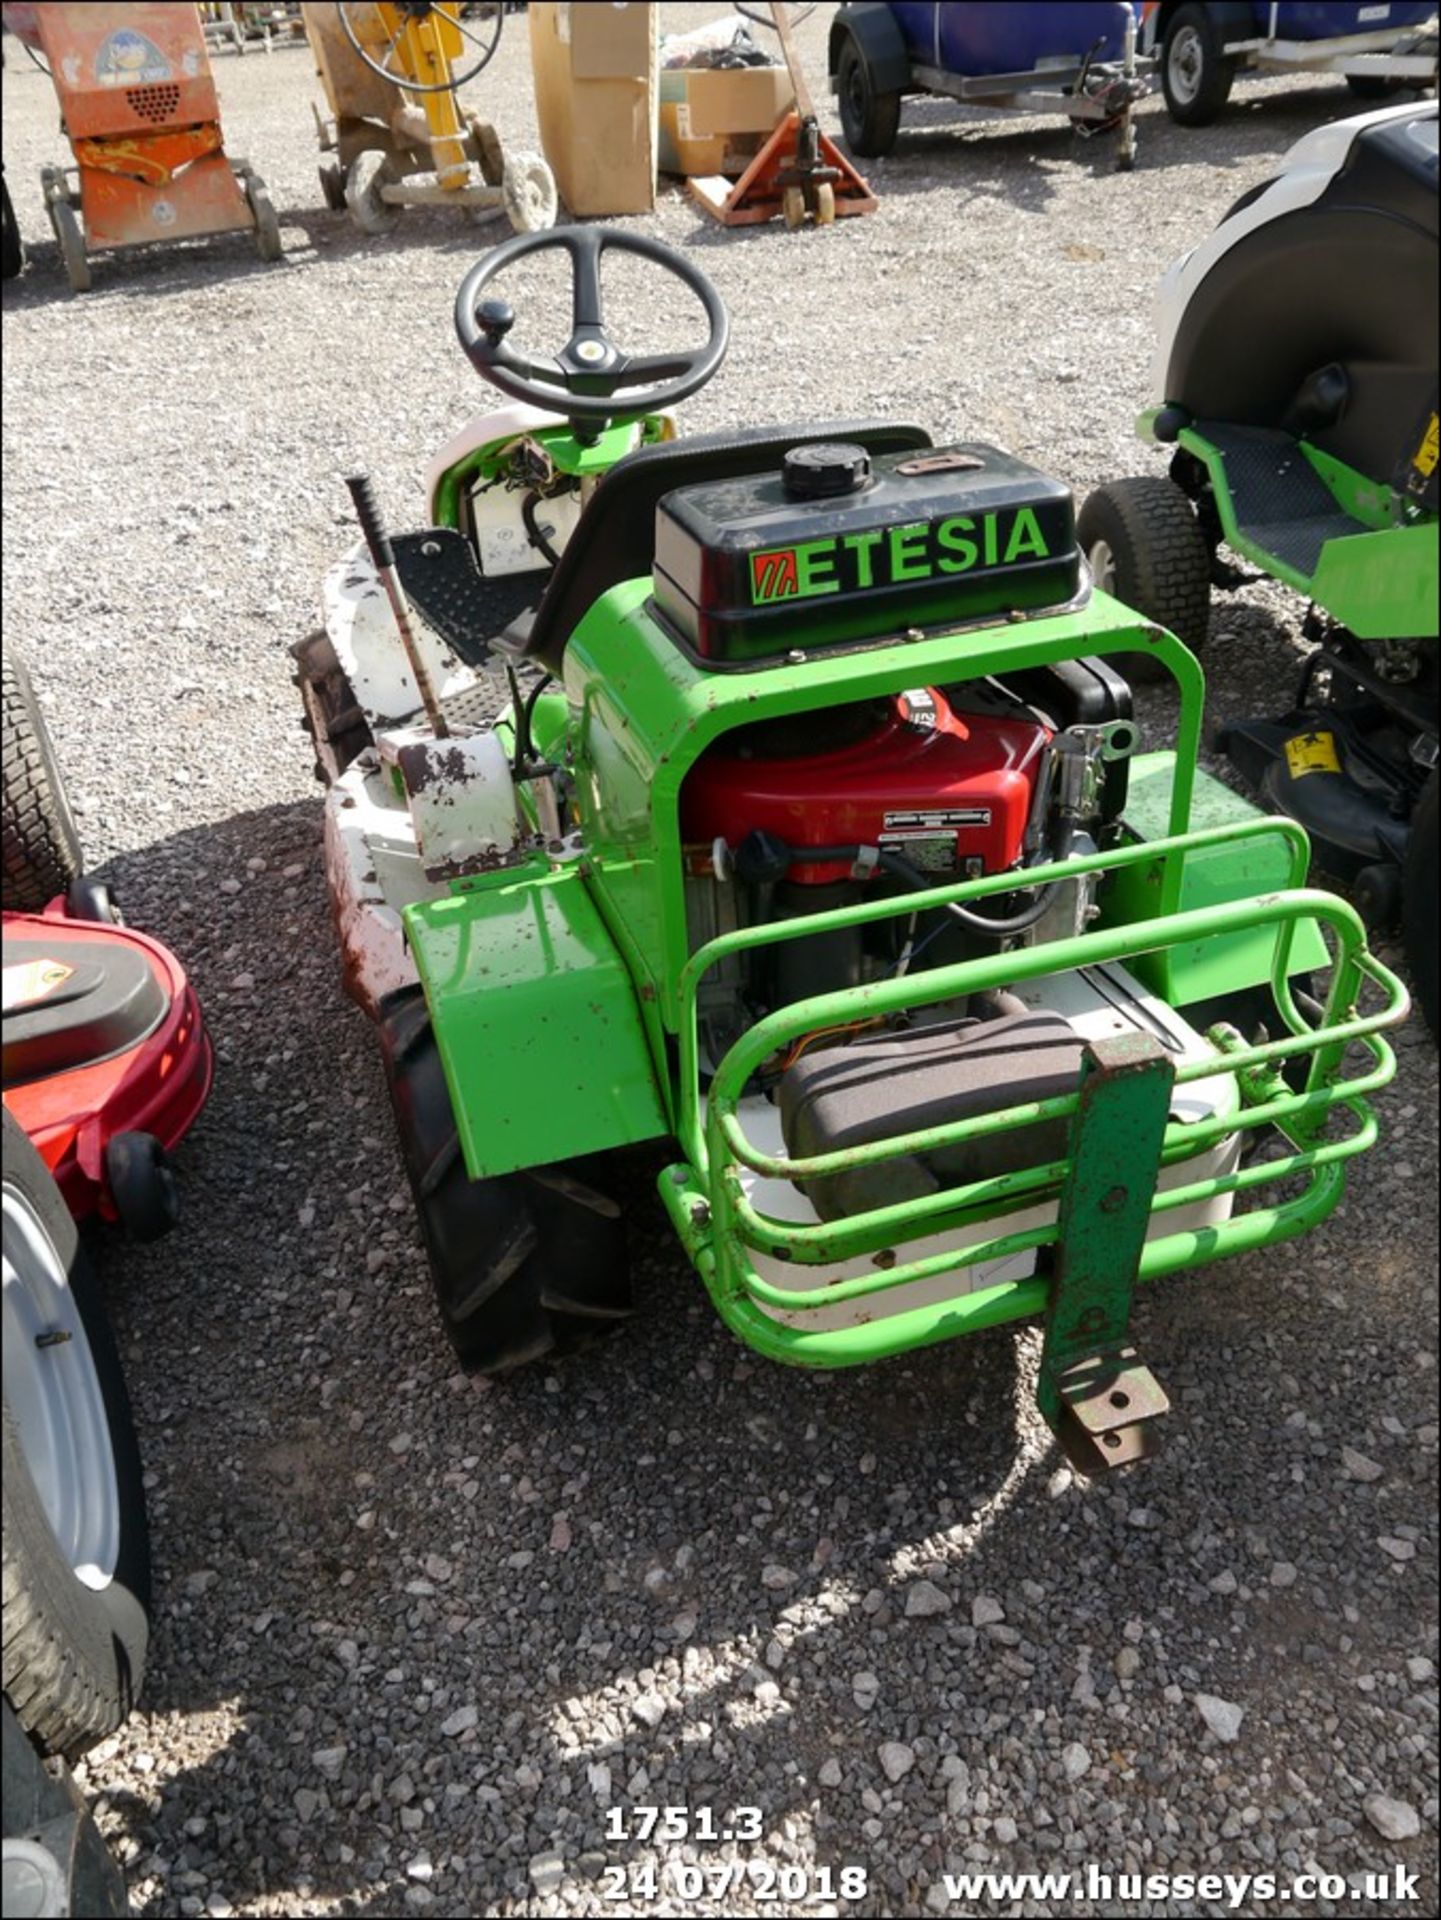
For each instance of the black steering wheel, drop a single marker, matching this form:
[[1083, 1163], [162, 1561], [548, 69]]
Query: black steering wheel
[[590, 378]]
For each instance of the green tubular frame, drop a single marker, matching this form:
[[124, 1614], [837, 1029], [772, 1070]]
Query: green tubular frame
[[719, 1227]]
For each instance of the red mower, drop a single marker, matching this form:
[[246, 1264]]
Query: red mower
[[106, 1065], [106, 1059]]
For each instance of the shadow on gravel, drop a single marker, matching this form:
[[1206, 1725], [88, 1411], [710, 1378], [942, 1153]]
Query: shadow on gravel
[[408, 1623]]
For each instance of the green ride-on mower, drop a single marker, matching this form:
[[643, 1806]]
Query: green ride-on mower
[[815, 838], [1295, 379]]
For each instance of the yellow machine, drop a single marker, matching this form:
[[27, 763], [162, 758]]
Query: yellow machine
[[391, 75]]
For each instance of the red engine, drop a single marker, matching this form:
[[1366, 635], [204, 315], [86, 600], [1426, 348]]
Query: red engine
[[950, 791]]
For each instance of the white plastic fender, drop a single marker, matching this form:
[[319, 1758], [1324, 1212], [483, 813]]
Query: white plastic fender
[[461, 796], [362, 630], [1306, 170]]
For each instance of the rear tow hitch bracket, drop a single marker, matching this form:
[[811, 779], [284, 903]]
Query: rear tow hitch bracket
[[1097, 1397]]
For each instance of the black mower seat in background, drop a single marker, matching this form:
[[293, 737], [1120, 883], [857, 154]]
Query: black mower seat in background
[[1348, 280], [1281, 501], [615, 538]]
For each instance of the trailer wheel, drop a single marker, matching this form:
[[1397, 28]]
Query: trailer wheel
[[368, 174], [1196, 76], [1146, 547], [1418, 904], [71, 241], [332, 185], [1375, 86], [869, 120], [41, 848], [526, 1265], [12, 259], [267, 226], [76, 1548]]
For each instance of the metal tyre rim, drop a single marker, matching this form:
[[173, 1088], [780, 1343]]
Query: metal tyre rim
[[1103, 565], [1185, 64], [53, 1392]]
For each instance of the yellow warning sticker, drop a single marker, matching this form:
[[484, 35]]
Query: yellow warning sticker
[[1312, 753], [25, 984], [1429, 449]]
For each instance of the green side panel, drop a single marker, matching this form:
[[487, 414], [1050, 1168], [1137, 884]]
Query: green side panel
[[1381, 585], [537, 1023], [1210, 876]]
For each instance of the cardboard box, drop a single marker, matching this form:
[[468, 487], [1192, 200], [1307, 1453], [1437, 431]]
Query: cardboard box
[[715, 120], [595, 66]]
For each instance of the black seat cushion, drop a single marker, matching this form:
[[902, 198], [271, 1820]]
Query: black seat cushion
[[615, 539], [73, 1003], [885, 1085]]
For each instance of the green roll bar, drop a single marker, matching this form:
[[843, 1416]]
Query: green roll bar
[[721, 1228]]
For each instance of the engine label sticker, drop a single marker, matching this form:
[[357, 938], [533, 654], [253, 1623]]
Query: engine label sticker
[[931, 852], [892, 556], [938, 820], [128, 59], [22, 986], [1312, 753]]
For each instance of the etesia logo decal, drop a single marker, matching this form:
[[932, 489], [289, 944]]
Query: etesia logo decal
[[886, 556]]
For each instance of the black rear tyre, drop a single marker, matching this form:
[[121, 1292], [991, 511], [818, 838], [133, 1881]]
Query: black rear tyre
[[1374, 86], [1196, 76], [39, 845], [526, 1266], [74, 1651], [1146, 547], [869, 120], [12, 257], [1418, 904]]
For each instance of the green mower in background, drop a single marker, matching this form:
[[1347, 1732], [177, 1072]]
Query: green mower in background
[[814, 845], [1296, 380]]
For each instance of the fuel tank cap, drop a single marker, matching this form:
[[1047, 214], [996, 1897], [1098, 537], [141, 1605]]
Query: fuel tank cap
[[828, 468]]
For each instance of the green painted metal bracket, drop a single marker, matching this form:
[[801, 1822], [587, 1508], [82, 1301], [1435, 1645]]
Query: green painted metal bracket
[[1094, 1393]]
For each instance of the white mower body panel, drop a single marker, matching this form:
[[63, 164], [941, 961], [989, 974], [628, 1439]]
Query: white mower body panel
[[1306, 170], [385, 850], [1098, 1002], [361, 627]]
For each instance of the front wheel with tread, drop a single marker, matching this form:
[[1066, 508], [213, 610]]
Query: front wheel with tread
[[76, 1547], [369, 172], [71, 240], [1196, 76], [267, 226], [1418, 903], [870, 120], [41, 848], [526, 1266], [1146, 547], [12, 260]]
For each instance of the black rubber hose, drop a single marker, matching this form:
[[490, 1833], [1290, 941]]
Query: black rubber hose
[[1021, 922], [897, 864], [532, 526]]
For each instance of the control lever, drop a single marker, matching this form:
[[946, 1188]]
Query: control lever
[[382, 554]]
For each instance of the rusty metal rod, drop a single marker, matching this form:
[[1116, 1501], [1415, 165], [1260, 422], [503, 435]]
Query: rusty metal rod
[[367, 510]]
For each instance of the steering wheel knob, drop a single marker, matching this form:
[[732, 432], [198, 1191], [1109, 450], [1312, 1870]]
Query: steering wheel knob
[[496, 318]]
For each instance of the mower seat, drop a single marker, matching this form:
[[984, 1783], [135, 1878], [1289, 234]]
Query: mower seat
[[615, 538]]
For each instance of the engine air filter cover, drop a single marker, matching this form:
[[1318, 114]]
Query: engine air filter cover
[[747, 570]]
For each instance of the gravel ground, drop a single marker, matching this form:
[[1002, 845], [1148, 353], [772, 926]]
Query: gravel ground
[[414, 1634]]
